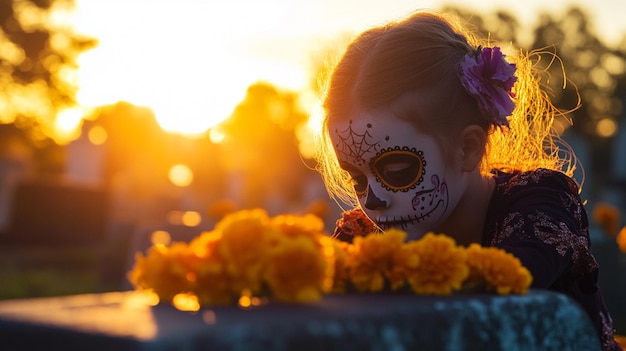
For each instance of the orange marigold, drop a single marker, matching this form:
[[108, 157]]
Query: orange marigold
[[607, 217], [295, 225], [442, 268], [246, 237], [213, 285], [296, 270], [354, 223], [621, 239], [341, 272], [371, 262], [165, 270], [498, 269]]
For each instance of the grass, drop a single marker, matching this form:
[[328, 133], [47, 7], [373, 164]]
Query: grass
[[27, 272]]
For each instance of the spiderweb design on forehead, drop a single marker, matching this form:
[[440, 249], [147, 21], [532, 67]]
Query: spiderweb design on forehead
[[354, 146]]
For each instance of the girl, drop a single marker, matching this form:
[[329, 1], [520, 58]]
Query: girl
[[427, 131]]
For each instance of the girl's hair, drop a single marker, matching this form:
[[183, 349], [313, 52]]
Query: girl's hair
[[411, 66]]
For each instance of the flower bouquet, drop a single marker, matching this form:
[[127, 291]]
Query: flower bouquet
[[250, 257]]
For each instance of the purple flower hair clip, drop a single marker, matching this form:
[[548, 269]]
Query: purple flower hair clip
[[489, 78]]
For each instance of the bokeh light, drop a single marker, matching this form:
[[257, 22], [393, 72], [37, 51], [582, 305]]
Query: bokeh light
[[97, 135], [185, 218], [181, 175], [160, 238], [606, 127]]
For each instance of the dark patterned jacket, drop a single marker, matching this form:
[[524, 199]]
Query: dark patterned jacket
[[538, 216]]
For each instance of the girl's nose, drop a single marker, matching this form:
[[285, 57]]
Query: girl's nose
[[372, 202]]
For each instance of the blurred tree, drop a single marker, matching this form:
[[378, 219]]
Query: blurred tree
[[37, 65], [592, 68], [261, 142], [594, 84], [594, 73], [500, 25]]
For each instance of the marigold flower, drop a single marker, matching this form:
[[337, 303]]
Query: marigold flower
[[205, 244], [442, 268], [296, 225], [291, 258], [341, 270], [213, 285], [354, 223], [296, 270], [621, 239], [405, 264], [621, 340], [371, 262], [607, 217], [165, 270], [500, 270], [245, 240]]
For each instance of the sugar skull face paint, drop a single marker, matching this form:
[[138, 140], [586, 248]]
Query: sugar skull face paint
[[399, 174]]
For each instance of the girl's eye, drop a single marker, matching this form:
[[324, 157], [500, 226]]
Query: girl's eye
[[399, 169], [398, 173]]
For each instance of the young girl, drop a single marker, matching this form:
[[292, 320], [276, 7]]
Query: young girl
[[428, 131]]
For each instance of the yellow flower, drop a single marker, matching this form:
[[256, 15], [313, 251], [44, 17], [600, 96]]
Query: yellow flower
[[296, 270], [621, 239], [607, 217], [500, 270], [341, 272], [442, 268], [292, 259], [213, 285], [205, 244], [294, 225], [246, 237], [405, 264], [165, 270], [371, 262]]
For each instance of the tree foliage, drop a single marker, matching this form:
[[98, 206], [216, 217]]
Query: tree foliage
[[583, 73], [38, 63]]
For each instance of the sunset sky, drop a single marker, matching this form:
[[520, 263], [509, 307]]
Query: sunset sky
[[192, 62]]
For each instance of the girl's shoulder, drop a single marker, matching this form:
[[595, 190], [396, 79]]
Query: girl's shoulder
[[509, 182], [542, 191]]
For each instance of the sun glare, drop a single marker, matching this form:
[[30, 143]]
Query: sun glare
[[67, 123], [191, 63]]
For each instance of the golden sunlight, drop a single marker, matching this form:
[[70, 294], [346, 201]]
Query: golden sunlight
[[191, 69], [67, 123]]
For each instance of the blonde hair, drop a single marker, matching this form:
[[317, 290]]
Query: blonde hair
[[391, 66]]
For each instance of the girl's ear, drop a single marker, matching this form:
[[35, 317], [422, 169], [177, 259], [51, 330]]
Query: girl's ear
[[472, 143]]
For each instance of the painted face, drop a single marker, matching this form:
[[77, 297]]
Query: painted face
[[399, 175]]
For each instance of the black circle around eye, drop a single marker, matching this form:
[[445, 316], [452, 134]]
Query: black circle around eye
[[399, 169], [360, 184]]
